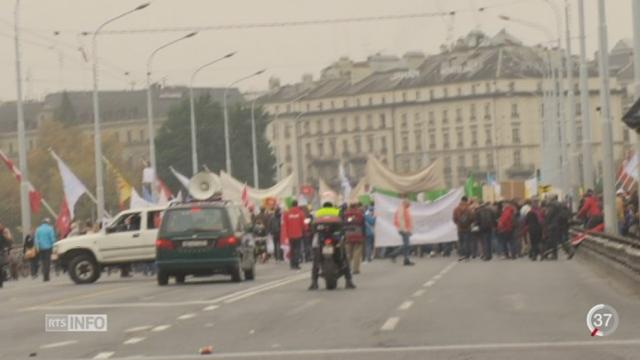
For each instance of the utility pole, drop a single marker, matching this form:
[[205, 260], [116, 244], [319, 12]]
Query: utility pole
[[587, 151], [636, 66], [608, 172], [571, 116]]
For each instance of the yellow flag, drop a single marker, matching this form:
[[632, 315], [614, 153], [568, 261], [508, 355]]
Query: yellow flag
[[124, 188]]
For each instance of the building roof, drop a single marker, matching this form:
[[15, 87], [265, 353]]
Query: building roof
[[500, 57]]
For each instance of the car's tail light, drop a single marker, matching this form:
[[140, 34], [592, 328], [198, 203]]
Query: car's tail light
[[162, 244], [227, 241]]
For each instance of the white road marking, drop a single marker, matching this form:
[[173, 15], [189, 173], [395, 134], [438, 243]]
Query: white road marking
[[59, 344], [303, 308], [419, 293], [186, 316], [138, 328], [270, 287], [279, 354], [134, 340], [238, 295], [437, 277], [210, 308], [390, 324], [405, 305], [208, 325], [251, 332], [104, 355], [160, 328], [429, 283]]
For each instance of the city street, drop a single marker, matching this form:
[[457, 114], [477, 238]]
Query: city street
[[438, 309]]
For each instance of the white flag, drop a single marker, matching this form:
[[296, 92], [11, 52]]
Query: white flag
[[137, 201], [344, 183], [631, 169], [73, 187]]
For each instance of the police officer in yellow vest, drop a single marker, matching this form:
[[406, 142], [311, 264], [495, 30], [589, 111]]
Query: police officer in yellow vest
[[328, 210]]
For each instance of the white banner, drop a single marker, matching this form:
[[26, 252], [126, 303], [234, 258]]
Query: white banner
[[432, 223]]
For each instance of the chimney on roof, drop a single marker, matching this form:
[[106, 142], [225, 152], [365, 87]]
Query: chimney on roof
[[274, 83], [414, 59], [307, 81]]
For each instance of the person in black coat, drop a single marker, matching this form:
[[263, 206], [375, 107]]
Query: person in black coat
[[28, 245]]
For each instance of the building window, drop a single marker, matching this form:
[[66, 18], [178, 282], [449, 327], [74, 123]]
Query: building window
[[514, 111], [320, 148], [383, 143], [445, 93], [487, 87], [370, 101], [403, 121], [472, 112], [141, 135], [417, 95], [357, 102], [431, 94], [288, 108], [369, 122], [417, 123], [305, 128], [345, 103], [445, 140], [320, 105], [489, 160], [579, 133], [512, 86], [474, 137], [517, 158], [358, 144], [445, 116], [473, 89], [357, 123], [418, 135], [460, 139], [345, 146], [539, 86], [383, 120], [475, 160], [287, 153], [287, 131], [308, 107], [405, 142], [462, 165], [459, 91], [432, 119], [487, 111], [383, 99], [515, 135], [308, 148], [404, 97], [370, 144], [332, 146], [432, 140], [333, 104], [488, 136], [343, 124], [332, 125], [458, 115], [578, 109], [129, 139], [277, 109]]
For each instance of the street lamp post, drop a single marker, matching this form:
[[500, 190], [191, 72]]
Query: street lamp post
[[587, 155], [608, 172], [227, 145], [151, 129], [25, 210], [96, 112], [571, 116], [194, 147], [254, 146]]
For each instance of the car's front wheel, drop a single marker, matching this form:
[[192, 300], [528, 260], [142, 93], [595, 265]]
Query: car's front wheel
[[163, 277], [180, 279], [83, 269]]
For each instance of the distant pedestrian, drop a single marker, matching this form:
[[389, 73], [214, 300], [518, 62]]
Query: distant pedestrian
[[30, 254], [534, 220], [463, 218], [486, 221], [293, 221], [45, 237], [6, 239], [370, 222], [506, 228], [404, 225], [353, 219]]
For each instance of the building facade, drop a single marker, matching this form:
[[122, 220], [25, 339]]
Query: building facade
[[476, 107]]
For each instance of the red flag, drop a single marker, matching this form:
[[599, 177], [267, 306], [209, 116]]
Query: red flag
[[34, 196], [63, 222], [245, 197]]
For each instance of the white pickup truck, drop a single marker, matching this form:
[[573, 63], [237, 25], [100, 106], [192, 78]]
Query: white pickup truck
[[128, 239]]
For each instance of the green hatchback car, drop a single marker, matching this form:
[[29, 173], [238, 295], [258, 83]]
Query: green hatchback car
[[203, 239]]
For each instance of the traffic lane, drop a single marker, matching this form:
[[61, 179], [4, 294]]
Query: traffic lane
[[515, 301], [125, 311], [291, 317]]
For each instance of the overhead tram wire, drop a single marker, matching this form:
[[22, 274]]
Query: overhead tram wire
[[300, 23]]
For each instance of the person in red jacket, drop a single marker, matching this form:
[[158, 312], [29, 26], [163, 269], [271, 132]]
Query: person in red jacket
[[294, 225], [505, 230], [590, 208], [354, 234]]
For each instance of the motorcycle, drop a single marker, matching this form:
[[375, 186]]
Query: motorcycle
[[332, 251]]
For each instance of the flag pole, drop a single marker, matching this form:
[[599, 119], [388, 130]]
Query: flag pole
[[48, 207]]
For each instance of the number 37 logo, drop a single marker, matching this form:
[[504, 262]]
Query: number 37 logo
[[602, 320]]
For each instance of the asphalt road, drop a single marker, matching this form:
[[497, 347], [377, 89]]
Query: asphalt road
[[438, 309]]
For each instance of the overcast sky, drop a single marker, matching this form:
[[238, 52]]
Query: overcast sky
[[51, 63]]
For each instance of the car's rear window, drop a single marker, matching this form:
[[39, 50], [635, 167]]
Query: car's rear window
[[195, 220]]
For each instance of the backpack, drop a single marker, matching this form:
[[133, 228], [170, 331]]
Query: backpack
[[465, 218], [485, 219]]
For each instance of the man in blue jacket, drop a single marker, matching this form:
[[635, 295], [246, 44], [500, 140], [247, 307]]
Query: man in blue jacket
[[45, 236], [370, 222]]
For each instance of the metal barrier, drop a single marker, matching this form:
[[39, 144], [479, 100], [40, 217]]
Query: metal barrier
[[623, 251]]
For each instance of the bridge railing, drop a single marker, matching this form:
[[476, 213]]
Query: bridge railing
[[623, 251]]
